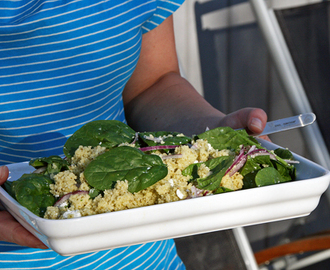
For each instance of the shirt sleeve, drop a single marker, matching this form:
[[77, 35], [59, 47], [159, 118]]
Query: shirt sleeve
[[164, 9]]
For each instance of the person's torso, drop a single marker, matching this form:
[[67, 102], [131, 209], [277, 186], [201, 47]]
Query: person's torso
[[63, 64]]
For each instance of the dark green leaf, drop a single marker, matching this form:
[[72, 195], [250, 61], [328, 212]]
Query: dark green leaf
[[285, 170], [125, 163], [8, 186], [250, 166], [283, 153], [212, 182], [53, 164], [254, 165], [221, 190], [227, 138], [192, 169], [249, 180], [268, 176], [32, 191], [107, 133], [94, 193], [164, 138]]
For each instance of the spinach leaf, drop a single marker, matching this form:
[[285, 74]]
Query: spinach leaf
[[287, 171], [284, 153], [249, 180], [221, 190], [32, 191], [107, 133], [125, 163], [268, 176], [164, 138], [227, 138], [250, 166], [256, 164], [253, 165], [93, 193], [192, 169], [8, 186], [53, 164], [218, 168]]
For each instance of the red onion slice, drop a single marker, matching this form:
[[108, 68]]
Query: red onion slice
[[290, 161], [237, 161], [195, 193], [64, 198], [236, 166], [158, 147], [240, 160], [252, 148], [154, 139], [135, 138], [40, 170], [253, 152], [261, 152]]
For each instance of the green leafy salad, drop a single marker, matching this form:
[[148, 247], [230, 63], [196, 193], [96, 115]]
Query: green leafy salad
[[109, 167]]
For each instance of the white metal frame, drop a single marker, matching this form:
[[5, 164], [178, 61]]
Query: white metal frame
[[295, 91], [245, 249], [290, 79], [296, 94]]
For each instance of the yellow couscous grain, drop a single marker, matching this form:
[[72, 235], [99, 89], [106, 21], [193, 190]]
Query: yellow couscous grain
[[173, 187]]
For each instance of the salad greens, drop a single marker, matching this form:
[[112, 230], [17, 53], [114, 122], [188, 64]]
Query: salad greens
[[163, 137], [218, 166], [130, 156], [125, 163], [228, 138], [258, 166], [107, 133], [50, 165], [32, 191]]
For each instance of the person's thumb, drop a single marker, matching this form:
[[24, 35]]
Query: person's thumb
[[4, 172]]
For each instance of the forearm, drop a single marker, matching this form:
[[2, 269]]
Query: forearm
[[157, 98], [171, 104]]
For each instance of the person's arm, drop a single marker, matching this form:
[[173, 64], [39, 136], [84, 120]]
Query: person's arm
[[155, 98], [158, 98]]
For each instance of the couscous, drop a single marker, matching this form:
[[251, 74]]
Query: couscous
[[173, 187], [110, 167]]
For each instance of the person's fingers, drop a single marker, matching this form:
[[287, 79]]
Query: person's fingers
[[4, 172], [256, 121], [265, 137], [252, 119], [13, 232]]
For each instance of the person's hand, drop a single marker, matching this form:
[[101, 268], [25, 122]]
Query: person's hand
[[252, 119], [10, 229]]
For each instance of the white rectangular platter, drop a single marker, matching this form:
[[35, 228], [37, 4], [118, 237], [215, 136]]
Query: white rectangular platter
[[176, 219]]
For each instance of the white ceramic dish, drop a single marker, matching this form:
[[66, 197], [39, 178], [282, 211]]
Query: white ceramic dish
[[177, 219]]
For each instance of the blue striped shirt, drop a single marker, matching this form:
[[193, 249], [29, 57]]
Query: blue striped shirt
[[63, 64]]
